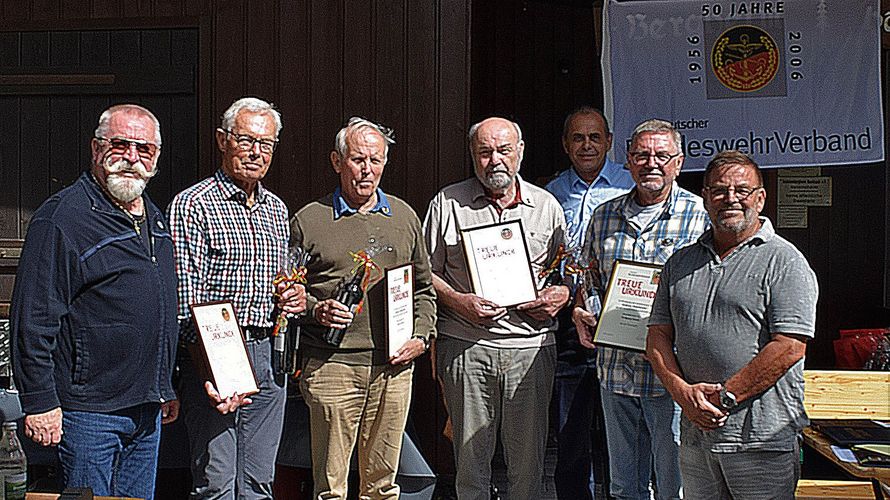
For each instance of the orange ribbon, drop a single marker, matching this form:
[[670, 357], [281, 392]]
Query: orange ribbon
[[363, 259]]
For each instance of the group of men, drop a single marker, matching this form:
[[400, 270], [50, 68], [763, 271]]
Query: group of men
[[106, 282]]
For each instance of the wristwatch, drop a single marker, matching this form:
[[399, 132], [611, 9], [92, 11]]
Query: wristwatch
[[727, 399], [425, 340]]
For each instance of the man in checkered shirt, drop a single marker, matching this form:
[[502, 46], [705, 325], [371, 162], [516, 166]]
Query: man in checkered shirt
[[646, 225], [231, 237]]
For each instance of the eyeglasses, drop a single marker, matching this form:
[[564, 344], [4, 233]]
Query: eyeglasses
[[722, 192], [661, 159], [245, 142], [120, 146]]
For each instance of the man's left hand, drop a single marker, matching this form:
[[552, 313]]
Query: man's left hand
[[291, 297], [409, 350], [550, 300], [169, 411]]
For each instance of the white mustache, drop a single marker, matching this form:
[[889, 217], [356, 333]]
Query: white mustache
[[123, 166]]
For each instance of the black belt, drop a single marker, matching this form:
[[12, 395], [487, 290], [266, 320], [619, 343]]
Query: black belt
[[257, 333]]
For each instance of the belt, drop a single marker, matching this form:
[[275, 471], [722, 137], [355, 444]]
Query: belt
[[256, 332]]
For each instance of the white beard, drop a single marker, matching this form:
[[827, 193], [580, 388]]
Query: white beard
[[126, 189]]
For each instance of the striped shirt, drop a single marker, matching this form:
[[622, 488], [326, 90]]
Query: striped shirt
[[612, 236], [226, 250]]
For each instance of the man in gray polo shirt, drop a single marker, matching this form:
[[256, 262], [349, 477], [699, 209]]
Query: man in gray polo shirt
[[727, 337]]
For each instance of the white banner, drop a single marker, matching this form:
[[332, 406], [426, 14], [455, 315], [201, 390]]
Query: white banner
[[791, 83]]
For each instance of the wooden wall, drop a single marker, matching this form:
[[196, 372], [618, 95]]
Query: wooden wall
[[402, 63]]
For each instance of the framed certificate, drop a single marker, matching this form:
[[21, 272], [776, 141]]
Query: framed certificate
[[224, 351], [399, 306], [499, 265], [627, 305]]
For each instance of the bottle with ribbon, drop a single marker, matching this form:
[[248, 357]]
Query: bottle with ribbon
[[351, 291], [286, 337]]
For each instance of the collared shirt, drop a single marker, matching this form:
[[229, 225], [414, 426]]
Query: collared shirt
[[611, 236], [723, 312], [579, 199], [341, 207], [464, 205], [227, 250]]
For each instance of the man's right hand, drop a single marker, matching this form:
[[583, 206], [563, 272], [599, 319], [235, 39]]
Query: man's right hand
[[475, 309], [693, 399], [228, 404], [585, 323], [45, 428]]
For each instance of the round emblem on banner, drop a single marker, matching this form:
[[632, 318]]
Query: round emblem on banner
[[506, 233], [745, 58]]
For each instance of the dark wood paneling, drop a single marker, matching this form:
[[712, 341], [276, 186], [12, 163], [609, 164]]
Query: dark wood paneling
[[10, 193], [533, 62], [403, 63]]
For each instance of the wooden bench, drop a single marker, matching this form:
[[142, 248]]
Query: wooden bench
[[834, 395]]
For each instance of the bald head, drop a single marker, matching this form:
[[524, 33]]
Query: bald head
[[496, 147]]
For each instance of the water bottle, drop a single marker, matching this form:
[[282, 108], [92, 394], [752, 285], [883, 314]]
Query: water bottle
[[13, 464]]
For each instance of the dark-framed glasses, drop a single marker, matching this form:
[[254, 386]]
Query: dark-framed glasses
[[722, 192], [245, 142], [120, 146], [661, 158]]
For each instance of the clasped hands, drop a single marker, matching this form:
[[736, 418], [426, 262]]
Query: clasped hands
[[478, 310]]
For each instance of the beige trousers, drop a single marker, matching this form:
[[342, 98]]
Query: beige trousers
[[349, 405]]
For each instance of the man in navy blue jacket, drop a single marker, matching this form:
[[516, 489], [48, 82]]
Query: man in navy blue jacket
[[93, 317]]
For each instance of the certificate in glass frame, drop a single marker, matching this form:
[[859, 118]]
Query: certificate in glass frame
[[223, 349], [498, 263], [627, 305]]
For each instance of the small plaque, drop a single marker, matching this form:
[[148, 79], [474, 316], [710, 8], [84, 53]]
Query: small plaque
[[224, 349], [499, 265], [627, 305], [399, 306]]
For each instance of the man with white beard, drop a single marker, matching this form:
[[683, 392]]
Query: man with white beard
[[93, 315]]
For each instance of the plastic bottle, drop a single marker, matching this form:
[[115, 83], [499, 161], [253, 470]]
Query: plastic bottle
[[13, 464]]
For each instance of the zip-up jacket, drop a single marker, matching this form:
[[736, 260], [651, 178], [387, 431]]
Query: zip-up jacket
[[93, 316]]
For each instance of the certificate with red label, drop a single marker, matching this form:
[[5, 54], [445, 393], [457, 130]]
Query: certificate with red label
[[224, 351], [399, 306], [499, 265], [627, 305]]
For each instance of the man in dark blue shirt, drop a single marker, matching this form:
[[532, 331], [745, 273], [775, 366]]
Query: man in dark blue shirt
[[94, 315]]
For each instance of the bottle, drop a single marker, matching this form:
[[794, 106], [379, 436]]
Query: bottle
[[279, 341], [350, 295], [13, 464]]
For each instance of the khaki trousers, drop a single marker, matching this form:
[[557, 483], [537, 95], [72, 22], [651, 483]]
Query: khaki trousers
[[349, 405]]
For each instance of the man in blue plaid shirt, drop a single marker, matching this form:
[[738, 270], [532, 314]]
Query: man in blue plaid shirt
[[231, 236], [646, 225]]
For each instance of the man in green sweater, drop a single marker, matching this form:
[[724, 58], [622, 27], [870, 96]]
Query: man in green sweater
[[359, 391]]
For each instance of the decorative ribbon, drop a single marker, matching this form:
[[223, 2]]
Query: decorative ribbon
[[363, 259], [561, 255]]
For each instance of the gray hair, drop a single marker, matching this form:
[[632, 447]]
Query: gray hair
[[732, 157], [105, 119], [471, 135], [253, 105], [656, 126], [357, 123], [584, 110]]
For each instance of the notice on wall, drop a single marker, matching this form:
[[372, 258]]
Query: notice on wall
[[791, 217], [805, 191]]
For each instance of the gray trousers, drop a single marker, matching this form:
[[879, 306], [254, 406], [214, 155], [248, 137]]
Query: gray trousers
[[744, 475], [487, 391], [233, 456]]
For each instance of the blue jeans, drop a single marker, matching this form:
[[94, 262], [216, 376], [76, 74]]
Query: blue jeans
[[114, 453], [576, 403], [233, 456], [639, 431]]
